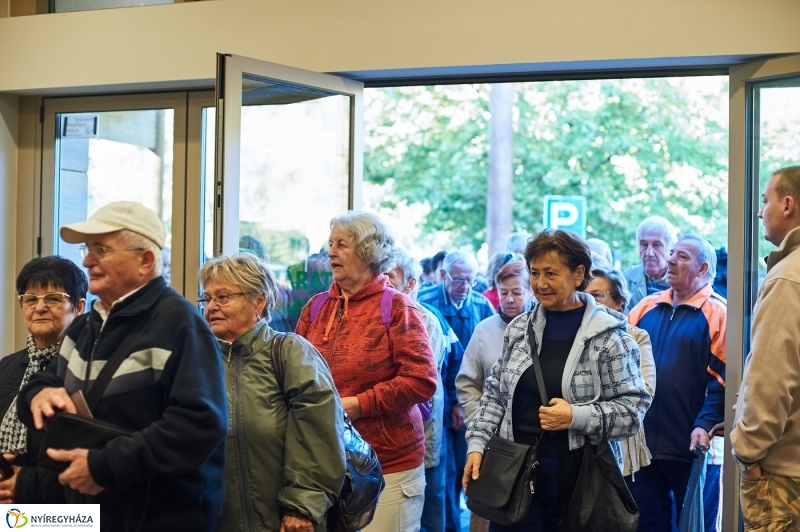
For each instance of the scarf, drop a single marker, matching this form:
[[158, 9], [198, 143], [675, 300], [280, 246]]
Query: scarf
[[13, 434]]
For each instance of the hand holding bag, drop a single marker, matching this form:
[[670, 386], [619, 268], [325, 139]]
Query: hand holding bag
[[73, 431], [503, 491]]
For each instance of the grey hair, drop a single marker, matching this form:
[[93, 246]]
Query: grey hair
[[516, 242], [601, 247], [459, 258], [705, 253], [135, 240], [248, 272], [406, 264], [374, 242], [660, 224]]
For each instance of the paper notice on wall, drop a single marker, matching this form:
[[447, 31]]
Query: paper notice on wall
[[83, 126]]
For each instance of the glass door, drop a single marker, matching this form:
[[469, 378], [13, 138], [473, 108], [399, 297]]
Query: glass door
[[764, 128], [288, 159]]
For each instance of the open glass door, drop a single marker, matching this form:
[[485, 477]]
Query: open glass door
[[288, 159], [764, 128]]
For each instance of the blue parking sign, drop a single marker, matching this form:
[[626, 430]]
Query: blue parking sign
[[566, 212]]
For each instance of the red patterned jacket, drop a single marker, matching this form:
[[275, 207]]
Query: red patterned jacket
[[389, 374]]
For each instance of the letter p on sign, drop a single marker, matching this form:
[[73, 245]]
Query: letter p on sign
[[566, 212]]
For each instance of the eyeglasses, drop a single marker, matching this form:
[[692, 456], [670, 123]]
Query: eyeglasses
[[220, 299], [52, 300], [599, 295], [100, 251], [470, 282]]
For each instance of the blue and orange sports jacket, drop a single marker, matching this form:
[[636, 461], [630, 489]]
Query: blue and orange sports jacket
[[689, 349]]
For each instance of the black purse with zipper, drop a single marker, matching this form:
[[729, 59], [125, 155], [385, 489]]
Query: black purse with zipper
[[503, 491]]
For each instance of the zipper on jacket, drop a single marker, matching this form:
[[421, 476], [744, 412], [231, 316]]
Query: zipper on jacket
[[244, 495], [88, 372]]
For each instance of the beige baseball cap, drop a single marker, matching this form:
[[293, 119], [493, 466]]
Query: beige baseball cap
[[114, 217]]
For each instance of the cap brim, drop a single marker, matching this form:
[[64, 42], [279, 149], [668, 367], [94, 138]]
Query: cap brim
[[77, 232]]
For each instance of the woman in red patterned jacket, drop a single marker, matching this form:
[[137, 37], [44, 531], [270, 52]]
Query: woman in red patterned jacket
[[380, 359]]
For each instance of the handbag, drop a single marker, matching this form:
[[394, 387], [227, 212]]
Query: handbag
[[503, 491], [355, 506], [601, 501], [692, 515], [74, 431]]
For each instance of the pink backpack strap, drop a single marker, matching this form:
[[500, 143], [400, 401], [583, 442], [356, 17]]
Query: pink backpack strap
[[386, 308], [318, 303]]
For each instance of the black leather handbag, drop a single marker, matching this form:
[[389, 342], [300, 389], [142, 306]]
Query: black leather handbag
[[363, 482], [503, 491]]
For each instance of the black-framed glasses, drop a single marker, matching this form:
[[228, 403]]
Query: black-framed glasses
[[100, 251], [456, 280], [221, 299], [52, 300]]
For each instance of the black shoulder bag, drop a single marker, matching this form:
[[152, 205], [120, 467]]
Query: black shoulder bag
[[74, 431], [503, 491], [601, 501], [363, 482]]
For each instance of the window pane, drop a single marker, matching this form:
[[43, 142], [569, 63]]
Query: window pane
[[207, 180], [779, 128], [63, 6], [294, 177], [112, 156]]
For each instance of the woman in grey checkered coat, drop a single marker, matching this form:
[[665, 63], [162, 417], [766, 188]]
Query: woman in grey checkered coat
[[590, 370], [51, 294]]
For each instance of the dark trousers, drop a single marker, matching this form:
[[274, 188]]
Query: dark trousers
[[456, 445], [555, 483], [654, 489]]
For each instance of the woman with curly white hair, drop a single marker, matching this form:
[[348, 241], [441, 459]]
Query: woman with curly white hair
[[375, 342]]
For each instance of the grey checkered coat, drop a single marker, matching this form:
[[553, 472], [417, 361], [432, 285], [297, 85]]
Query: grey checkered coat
[[602, 380]]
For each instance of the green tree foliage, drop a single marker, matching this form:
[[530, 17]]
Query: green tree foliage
[[633, 147]]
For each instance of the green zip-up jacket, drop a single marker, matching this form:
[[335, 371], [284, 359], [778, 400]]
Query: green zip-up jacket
[[280, 460]]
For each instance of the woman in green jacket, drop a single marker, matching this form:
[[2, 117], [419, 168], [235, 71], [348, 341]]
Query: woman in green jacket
[[285, 460]]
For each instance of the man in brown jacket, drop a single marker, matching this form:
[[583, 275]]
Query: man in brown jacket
[[766, 434]]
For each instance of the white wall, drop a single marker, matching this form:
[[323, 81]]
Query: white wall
[[178, 43], [8, 195]]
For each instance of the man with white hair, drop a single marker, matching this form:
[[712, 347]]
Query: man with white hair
[[686, 324], [464, 309], [655, 237], [158, 369]]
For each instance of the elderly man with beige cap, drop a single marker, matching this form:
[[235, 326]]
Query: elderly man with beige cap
[[166, 394]]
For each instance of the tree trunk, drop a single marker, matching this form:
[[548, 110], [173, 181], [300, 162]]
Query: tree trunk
[[499, 200]]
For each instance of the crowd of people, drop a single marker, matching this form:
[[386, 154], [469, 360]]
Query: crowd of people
[[221, 422]]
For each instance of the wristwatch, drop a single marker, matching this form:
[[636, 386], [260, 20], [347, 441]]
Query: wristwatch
[[745, 466]]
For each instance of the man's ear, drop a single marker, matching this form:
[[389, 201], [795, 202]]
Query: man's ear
[[410, 285], [148, 262], [442, 274], [790, 207], [703, 270]]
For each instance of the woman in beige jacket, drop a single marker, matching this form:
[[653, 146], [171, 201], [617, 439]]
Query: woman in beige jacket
[[608, 288]]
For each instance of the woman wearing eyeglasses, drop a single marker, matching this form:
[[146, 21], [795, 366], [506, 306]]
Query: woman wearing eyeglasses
[[51, 293], [284, 457], [375, 341], [610, 289]]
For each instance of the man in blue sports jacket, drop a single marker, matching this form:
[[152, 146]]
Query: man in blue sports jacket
[[686, 324]]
